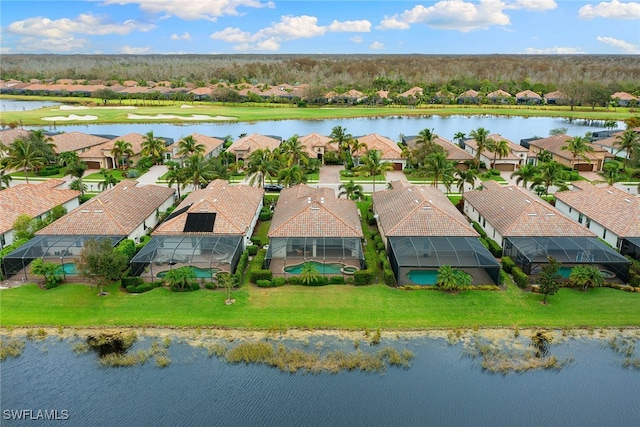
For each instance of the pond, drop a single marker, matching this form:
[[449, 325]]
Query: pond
[[513, 128], [17, 105], [445, 384]]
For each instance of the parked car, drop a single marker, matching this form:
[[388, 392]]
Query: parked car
[[273, 187]]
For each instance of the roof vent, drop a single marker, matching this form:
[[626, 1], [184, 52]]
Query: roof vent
[[426, 207], [215, 200], [84, 211], [417, 201], [627, 200], [308, 199], [315, 208], [551, 214], [98, 211], [527, 200], [322, 200], [532, 214]]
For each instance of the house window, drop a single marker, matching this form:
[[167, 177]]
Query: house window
[[604, 234], [588, 223], [570, 209], [580, 218], [484, 222]]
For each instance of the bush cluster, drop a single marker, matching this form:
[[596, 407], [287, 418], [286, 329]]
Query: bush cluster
[[519, 276], [508, 264], [364, 277]]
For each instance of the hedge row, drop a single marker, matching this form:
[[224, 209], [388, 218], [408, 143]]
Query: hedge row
[[519, 276]]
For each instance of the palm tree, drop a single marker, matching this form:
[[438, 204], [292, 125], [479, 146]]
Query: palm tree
[[341, 138], [121, 151], [426, 137], [481, 136], [291, 176], [153, 147], [355, 146], [549, 174], [43, 143], [77, 170], [78, 185], [468, 176], [628, 141], [351, 191], [67, 157], [446, 278], [459, 137], [438, 167], [23, 155], [198, 171], [294, 152], [545, 156], [5, 179], [309, 273], [188, 146], [261, 165], [586, 275], [525, 174], [578, 146], [610, 172], [176, 175], [373, 165], [109, 180], [180, 278], [499, 149]]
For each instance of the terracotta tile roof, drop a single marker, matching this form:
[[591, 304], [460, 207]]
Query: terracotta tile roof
[[389, 148], [254, 142], [414, 91], [210, 143], [555, 95], [235, 207], [303, 211], [609, 206], [135, 139], [314, 140], [623, 96], [117, 211], [528, 94], [513, 147], [499, 94], [514, 211], [75, 141], [31, 199], [384, 94], [469, 94], [454, 152], [417, 210], [554, 143], [9, 135]]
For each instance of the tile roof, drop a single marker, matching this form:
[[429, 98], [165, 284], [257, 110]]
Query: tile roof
[[254, 142], [418, 210], [611, 207], [75, 141], [513, 147], [454, 152], [554, 143], [515, 211], [235, 207], [555, 95], [9, 135], [414, 91], [499, 94], [303, 211], [31, 199], [314, 140], [528, 94], [623, 96], [117, 211], [135, 139], [210, 143], [389, 148], [469, 94]]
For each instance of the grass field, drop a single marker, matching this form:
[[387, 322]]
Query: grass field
[[113, 113], [339, 306]]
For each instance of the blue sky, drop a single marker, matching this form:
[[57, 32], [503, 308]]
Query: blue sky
[[318, 26]]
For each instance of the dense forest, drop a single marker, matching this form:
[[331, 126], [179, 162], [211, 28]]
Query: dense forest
[[362, 72]]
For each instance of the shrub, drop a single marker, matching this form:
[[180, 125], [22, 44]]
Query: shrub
[[318, 281], [255, 275], [336, 280], [479, 229], [293, 280], [53, 282], [252, 250], [242, 263], [131, 281], [389, 277], [507, 264], [133, 173], [263, 283], [265, 216], [194, 286], [519, 276], [503, 277], [494, 247], [143, 242], [143, 287], [364, 277], [279, 281], [127, 247]]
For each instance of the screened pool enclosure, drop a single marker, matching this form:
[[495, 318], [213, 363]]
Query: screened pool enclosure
[[288, 251], [204, 253], [410, 255], [51, 248], [529, 253]]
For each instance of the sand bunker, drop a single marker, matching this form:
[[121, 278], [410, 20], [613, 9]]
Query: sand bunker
[[196, 117], [186, 106], [73, 107], [70, 117]]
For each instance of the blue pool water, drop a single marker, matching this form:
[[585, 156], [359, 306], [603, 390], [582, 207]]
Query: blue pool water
[[67, 268], [423, 277], [200, 273], [565, 272], [321, 267]]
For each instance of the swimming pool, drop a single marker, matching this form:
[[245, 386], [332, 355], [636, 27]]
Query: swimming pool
[[323, 268], [423, 277], [68, 268], [200, 273]]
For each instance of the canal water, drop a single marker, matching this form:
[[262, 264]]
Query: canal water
[[443, 386]]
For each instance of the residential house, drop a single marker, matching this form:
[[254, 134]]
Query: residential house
[[312, 224], [415, 93], [443, 97], [243, 147], [34, 200], [77, 142], [423, 231], [7, 137], [389, 149], [556, 98], [212, 147], [209, 230], [100, 156], [553, 144], [530, 230], [499, 97], [611, 213], [469, 97], [516, 157], [316, 145], [528, 97], [624, 99], [454, 152]]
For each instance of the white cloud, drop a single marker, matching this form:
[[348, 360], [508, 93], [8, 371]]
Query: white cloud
[[612, 10], [554, 51], [184, 36], [376, 46], [357, 39], [288, 28], [533, 5], [393, 23], [193, 10], [52, 45], [87, 23], [626, 47], [130, 50]]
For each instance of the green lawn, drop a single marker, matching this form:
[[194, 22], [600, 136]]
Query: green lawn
[[339, 306], [35, 176], [116, 173]]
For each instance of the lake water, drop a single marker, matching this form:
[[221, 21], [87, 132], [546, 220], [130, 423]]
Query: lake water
[[513, 128], [442, 387], [16, 105]]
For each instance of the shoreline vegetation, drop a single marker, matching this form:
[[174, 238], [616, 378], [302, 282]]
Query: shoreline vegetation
[[130, 112]]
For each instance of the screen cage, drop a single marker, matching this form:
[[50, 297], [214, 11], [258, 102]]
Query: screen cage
[[295, 250]]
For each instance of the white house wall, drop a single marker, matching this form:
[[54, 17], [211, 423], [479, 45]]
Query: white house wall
[[247, 237], [602, 232], [488, 228]]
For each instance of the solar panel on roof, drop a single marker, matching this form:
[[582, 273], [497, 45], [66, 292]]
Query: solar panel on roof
[[199, 222]]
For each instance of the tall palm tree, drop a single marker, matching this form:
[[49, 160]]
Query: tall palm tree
[[481, 136], [109, 180], [23, 155], [199, 172], [178, 176], [610, 172], [121, 152], [468, 176], [499, 148], [355, 146], [44, 144], [439, 168], [372, 165], [5, 179], [426, 137], [291, 176], [77, 169], [67, 157], [153, 147], [629, 141], [578, 146], [341, 138], [525, 174], [261, 165], [188, 146], [549, 174], [351, 191], [294, 152], [459, 137]]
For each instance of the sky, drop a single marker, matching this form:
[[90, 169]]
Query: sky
[[320, 27]]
